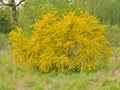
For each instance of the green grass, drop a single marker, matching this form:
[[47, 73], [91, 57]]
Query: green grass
[[13, 77]]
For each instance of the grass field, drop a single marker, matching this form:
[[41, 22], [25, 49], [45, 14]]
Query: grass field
[[13, 77]]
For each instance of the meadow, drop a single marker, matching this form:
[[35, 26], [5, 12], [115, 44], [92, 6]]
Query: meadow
[[13, 77]]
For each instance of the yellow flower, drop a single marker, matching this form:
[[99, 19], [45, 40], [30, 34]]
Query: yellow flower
[[71, 43]]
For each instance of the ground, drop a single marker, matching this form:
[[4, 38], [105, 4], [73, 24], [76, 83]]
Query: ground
[[13, 77]]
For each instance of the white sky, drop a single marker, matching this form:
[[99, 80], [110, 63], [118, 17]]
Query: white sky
[[17, 1]]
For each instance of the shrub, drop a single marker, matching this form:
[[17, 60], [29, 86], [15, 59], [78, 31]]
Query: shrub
[[72, 43]]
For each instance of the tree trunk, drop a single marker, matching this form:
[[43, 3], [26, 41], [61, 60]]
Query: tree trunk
[[15, 15], [14, 10]]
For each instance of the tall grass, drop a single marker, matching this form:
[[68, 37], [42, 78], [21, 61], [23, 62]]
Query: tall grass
[[13, 77]]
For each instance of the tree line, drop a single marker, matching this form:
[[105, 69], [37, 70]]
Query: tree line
[[14, 14]]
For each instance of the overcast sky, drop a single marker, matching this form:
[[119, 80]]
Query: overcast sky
[[17, 1]]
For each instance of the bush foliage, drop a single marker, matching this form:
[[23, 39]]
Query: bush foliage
[[73, 43], [6, 24]]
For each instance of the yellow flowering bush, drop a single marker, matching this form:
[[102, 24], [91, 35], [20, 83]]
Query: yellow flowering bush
[[68, 44]]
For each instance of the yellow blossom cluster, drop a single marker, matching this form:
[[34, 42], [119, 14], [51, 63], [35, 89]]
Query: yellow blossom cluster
[[73, 43]]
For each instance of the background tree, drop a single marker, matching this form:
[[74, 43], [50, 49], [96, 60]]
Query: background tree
[[33, 9], [13, 6], [6, 23]]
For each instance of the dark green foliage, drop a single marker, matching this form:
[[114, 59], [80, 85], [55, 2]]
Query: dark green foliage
[[5, 20]]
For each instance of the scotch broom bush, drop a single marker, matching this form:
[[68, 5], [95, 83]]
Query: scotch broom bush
[[74, 43]]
